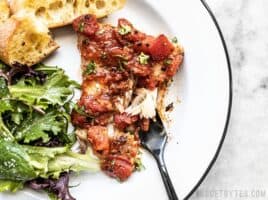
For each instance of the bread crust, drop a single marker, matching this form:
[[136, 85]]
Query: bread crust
[[100, 8], [7, 32], [7, 29]]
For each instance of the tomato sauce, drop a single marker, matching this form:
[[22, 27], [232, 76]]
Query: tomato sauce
[[115, 62]]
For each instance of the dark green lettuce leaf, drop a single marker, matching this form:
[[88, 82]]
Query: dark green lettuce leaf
[[55, 90], [3, 87], [4, 131], [39, 126], [15, 163]]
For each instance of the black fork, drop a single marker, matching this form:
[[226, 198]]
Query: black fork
[[155, 142]]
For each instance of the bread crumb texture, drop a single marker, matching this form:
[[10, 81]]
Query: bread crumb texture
[[25, 40], [56, 13]]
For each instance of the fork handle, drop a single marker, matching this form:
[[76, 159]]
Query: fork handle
[[165, 177]]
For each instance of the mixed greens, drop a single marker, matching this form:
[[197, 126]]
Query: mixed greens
[[35, 145]]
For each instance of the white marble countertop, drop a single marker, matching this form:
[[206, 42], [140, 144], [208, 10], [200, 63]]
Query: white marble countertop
[[240, 172]]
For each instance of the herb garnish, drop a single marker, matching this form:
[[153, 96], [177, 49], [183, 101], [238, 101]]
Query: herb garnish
[[174, 40], [82, 111], [90, 68], [3, 87], [81, 27], [121, 65], [138, 164], [167, 62], [124, 29], [143, 58]]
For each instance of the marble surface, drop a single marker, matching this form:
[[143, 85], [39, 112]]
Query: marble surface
[[240, 172]]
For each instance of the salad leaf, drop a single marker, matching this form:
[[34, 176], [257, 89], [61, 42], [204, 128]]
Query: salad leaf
[[37, 126], [10, 186], [15, 114], [4, 131], [57, 188], [3, 66], [24, 163], [3, 87], [55, 90], [15, 163], [71, 161], [35, 107]]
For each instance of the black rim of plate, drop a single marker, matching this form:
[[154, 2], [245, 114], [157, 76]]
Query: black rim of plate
[[230, 100]]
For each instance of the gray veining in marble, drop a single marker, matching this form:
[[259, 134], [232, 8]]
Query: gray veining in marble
[[242, 167]]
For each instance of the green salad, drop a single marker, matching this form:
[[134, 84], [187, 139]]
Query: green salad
[[35, 145]]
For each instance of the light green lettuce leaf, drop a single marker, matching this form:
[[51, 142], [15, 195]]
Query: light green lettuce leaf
[[10, 186], [23, 162], [56, 90]]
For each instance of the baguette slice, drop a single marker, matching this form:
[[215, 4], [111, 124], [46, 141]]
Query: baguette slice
[[25, 40], [99, 8], [4, 11], [53, 13], [57, 13]]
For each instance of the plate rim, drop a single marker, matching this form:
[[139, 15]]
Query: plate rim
[[229, 109]]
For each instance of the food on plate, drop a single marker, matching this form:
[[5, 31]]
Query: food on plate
[[4, 11], [25, 40], [124, 70], [35, 144], [56, 13]]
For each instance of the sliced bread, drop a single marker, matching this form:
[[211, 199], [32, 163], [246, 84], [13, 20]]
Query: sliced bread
[[99, 8], [24, 40], [56, 13]]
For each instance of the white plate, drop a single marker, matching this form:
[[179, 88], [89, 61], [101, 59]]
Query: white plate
[[199, 121]]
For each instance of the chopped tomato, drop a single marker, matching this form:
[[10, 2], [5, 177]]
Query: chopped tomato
[[161, 48], [118, 166], [139, 69], [103, 119], [133, 36], [98, 137], [144, 45], [86, 24], [94, 105], [148, 82]]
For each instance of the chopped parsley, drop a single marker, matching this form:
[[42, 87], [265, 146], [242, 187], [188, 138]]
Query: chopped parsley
[[3, 87], [174, 40], [143, 58], [121, 65], [138, 164], [124, 30], [90, 68], [81, 27], [82, 111], [167, 62]]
